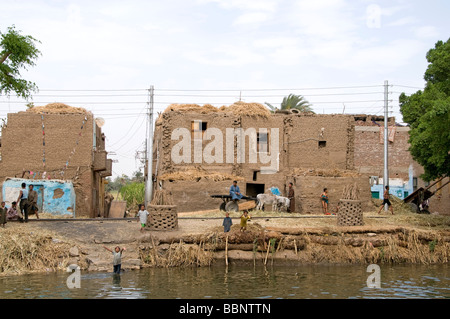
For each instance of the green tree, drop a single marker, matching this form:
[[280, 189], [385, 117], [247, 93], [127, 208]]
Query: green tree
[[138, 177], [293, 101], [17, 52], [427, 113]]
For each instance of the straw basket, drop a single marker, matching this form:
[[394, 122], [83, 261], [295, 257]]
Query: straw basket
[[350, 213], [163, 217]]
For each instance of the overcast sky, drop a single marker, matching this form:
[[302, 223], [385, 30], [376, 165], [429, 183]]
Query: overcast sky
[[104, 56]]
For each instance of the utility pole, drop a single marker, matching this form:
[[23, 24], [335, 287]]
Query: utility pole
[[386, 139], [149, 148]]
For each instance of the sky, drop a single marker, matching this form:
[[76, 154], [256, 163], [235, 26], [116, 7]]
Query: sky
[[105, 55]]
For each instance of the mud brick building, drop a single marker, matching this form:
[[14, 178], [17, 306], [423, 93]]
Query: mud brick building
[[58, 142], [312, 151]]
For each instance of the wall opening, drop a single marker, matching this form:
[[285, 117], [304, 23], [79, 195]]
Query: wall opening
[[253, 189], [198, 128], [262, 140], [322, 144]]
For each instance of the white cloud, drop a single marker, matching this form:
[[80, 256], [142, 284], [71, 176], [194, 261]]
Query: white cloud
[[259, 5], [426, 32], [251, 18], [402, 22]]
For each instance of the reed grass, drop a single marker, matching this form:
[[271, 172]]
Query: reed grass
[[177, 255], [24, 250]]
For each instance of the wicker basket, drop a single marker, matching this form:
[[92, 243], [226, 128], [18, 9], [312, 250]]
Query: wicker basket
[[163, 217], [350, 213]]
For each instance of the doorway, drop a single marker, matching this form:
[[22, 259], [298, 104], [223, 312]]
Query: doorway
[[253, 189]]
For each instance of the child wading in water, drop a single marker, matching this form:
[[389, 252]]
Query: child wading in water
[[117, 259], [143, 215], [244, 219]]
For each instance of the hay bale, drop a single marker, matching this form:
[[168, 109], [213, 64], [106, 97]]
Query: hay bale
[[57, 108]]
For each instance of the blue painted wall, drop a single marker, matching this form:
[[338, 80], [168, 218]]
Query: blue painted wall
[[399, 191], [61, 204]]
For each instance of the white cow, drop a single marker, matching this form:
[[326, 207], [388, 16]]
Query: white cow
[[281, 201], [264, 199]]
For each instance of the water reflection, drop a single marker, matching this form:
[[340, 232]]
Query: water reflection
[[238, 281]]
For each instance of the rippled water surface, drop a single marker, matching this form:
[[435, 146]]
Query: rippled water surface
[[315, 281]]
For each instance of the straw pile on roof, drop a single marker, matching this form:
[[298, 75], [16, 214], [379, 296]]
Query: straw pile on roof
[[237, 108], [334, 172], [243, 108], [191, 108], [196, 174], [57, 108]]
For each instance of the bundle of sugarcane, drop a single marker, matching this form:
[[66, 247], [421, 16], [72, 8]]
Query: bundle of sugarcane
[[350, 192], [162, 197]]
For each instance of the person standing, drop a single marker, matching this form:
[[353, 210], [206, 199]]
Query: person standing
[[386, 201], [32, 202], [143, 215], [291, 196], [23, 202], [3, 210], [324, 198], [227, 223], [244, 218]]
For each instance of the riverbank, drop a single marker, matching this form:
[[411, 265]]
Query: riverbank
[[406, 237]]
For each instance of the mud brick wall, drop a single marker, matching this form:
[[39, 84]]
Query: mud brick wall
[[299, 137], [305, 132], [309, 188], [369, 152], [22, 149], [191, 196], [299, 147]]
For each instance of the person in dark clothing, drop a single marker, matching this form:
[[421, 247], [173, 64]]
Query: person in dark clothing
[[227, 223], [23, 202], [291, 196], [32, 202], [386, 201]]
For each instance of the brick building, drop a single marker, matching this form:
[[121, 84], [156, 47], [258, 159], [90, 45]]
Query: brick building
[[58, 142], [314, 151], [310, 150]]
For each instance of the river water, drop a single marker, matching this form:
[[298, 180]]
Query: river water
[[238, 281]]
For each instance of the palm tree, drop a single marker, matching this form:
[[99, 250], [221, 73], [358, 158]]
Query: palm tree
[[293, 101]]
